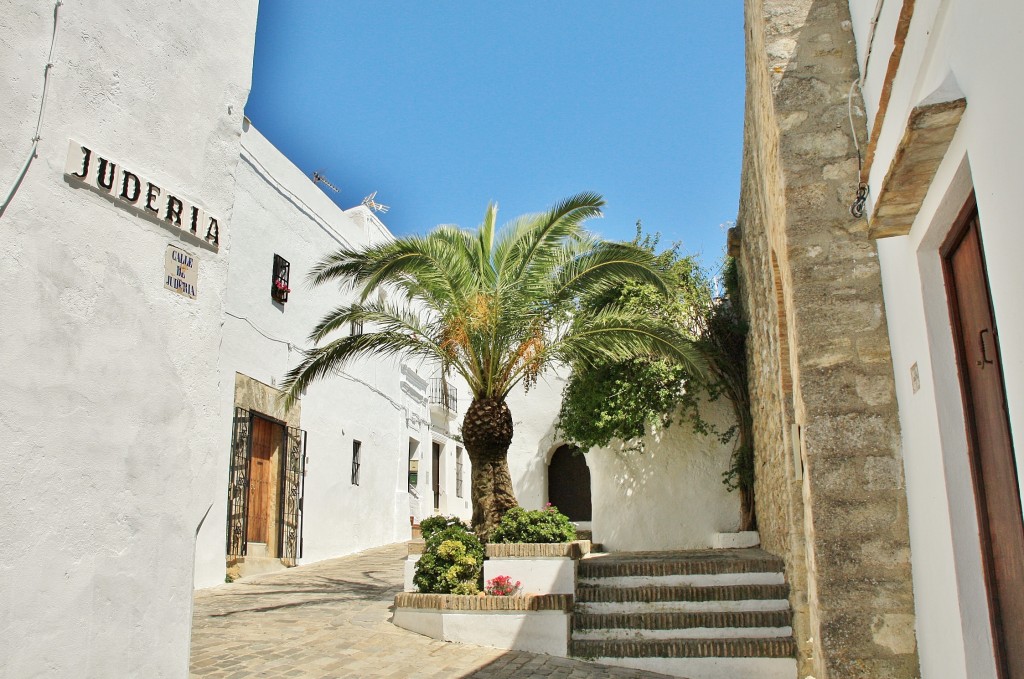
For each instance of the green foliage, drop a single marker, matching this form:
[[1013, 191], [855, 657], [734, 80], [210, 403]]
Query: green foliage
[[534, 526], [492, 305], [432, 524], [452, 562], [620, 399], [470, 588]]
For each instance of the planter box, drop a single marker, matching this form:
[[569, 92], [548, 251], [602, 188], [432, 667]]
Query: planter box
[[541, 568], [537, 624]]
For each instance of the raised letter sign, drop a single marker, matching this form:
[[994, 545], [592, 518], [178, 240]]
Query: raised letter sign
[[86, 167]]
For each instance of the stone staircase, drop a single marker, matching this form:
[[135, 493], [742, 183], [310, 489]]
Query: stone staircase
[[710, 614]]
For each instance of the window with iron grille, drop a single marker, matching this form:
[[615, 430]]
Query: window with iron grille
[[279, 283], [458, 472], [357, 328], [356, 445]]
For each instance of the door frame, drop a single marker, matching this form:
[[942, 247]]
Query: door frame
[[960, 229]]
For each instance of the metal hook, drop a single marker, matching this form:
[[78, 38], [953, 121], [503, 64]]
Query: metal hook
[[857, 208]]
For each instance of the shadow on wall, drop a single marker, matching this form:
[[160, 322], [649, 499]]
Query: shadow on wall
[[670, 496]]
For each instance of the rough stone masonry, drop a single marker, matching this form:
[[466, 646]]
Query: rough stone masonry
[[830, 493]]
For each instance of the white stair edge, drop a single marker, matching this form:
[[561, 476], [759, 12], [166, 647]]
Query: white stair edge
[[681, 606], [765, 578], [710, 668], [612, 633]]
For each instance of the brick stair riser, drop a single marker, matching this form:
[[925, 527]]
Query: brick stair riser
[[745, 605], [678, 621], [714, 580], [600, 568], [652, 594], [684, 648], [710, 633]]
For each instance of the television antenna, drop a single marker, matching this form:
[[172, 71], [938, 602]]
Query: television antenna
[[319, 178], [371, 203]]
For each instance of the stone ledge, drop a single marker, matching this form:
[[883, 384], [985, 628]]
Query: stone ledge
[[562, 603], [416, 547], [925, 141], [524, 550]]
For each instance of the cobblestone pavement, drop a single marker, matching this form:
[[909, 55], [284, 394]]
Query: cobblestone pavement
[[331, 619]]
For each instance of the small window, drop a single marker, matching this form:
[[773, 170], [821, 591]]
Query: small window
[[357, 328], [279, 284], [414, 465], [458, 472], [356, 445]]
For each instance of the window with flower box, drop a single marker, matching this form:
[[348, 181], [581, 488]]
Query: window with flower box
[[279, 284]]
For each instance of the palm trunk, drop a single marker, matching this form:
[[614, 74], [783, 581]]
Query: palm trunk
[[487, 433]]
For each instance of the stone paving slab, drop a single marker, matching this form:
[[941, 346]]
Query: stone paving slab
[[331, 619]]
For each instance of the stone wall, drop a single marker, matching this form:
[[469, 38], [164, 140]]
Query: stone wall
[[835, 509]]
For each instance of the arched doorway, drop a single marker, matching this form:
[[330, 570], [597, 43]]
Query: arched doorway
[[569, 484]]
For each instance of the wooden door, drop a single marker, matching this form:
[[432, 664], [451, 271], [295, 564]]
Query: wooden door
[[263, 479], [569, 484], [993, 466], [436, 475]]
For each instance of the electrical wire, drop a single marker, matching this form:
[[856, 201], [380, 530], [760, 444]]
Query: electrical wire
[[39, 120], [340, 373], [324, 225], [859, 203]]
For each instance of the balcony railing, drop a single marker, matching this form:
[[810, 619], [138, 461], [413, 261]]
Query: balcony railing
[[443, 394]]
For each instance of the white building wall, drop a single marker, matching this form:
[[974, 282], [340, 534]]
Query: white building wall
[[280, 211], [669, 497], [969, 49], [108, 379]]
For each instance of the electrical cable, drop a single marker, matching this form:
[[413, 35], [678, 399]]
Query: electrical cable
[[340, 373], [858, 205], [39, 120]]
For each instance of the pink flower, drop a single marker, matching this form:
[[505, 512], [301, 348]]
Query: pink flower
[[501, 585]]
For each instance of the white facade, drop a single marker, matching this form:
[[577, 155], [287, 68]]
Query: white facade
[[380, 406], [954, 48], [669, 497], [108, 379]]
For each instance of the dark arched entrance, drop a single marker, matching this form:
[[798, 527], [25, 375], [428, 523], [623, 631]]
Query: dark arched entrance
[[569, 484]]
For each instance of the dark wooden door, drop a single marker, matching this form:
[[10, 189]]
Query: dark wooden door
[[263, 478], [435, 474], [569, 484], [993, 465]]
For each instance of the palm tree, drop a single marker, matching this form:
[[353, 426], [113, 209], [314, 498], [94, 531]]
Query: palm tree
[[495, 309]]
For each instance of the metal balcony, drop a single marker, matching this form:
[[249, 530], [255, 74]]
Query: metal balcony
[[443, 394]]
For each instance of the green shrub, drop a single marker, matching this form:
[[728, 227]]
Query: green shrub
[[437, 522], [539, 525], [452, 562]]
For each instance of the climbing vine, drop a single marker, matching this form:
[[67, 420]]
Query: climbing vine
[[621, 400]]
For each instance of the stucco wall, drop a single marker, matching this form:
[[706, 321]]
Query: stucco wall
[[965, 49], [108, 379], [670, 497], [280, 211], [820, 357]]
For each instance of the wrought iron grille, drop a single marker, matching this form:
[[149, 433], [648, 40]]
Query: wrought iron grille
[[443, 394], [292, 488], [458, 472], [238, 484], [356, 448], [279, 284]]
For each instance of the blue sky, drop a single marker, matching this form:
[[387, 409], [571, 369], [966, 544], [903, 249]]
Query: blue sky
[[442, 107]]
